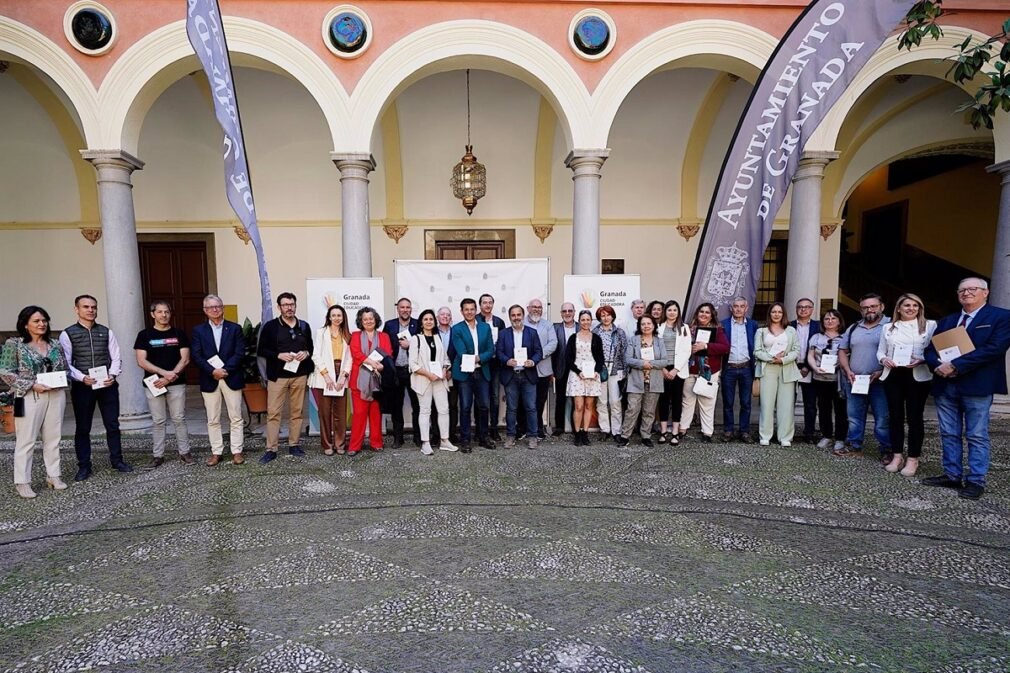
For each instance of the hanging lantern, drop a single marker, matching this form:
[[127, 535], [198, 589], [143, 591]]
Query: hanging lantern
[[469, 177]]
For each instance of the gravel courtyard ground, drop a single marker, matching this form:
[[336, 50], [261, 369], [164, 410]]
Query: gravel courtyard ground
[[699, 558]]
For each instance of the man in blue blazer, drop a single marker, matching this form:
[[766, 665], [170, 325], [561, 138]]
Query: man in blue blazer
[[403, 322], [220, 339], [519, 378], [806, 327], [738, 372], [472, 337], [964, 387]]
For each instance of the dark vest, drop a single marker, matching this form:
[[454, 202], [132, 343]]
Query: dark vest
[[89, 347]]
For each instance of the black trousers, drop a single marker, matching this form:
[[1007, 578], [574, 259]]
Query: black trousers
[[670, 400], [809, 410], [834, 419], [395, 402], [560, 402], [906, 401], [85, 399], [494, 399]]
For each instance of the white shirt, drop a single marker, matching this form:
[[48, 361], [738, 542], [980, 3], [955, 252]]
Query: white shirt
[[217, 331]]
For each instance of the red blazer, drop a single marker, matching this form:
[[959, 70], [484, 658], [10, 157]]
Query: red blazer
[[357, 356], [718, 349]]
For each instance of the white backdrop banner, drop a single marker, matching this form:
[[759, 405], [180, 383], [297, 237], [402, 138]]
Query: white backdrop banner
[[593, 291], [351, 293], [432, 284]]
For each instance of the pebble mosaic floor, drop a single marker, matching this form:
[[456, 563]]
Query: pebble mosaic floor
[[691, 559]]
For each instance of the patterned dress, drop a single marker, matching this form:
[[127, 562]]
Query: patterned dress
[[578, 386]]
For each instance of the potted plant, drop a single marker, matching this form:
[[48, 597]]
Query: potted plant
[[255, 392]]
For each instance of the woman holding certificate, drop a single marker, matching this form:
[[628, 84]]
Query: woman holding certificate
[[429, 378], [585, 363], [328, 381], [673, 331], [368, 347], [34, 367], [822, 357], [710, 348], [776, 350], [906, 378], [646, 358]]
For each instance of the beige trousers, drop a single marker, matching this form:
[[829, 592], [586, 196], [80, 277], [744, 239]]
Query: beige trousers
[[43, 412], [292, 390], [706, 407], [212, 402]]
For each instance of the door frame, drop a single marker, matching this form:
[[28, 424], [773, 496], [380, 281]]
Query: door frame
[[433, 236]]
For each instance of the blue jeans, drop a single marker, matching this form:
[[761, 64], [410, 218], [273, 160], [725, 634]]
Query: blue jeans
[[970, 413], [856, 407], [520, 391], [736, 380], [493, 393], [474, 385]]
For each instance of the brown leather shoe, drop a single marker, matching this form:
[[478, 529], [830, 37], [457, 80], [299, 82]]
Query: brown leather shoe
[[186, 458], [157, 462], [213, 460], [237, 458]]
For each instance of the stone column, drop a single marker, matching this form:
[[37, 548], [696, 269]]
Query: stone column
[[356, 235], [585, 166], [999, 293], [123, 289], [803, 258]]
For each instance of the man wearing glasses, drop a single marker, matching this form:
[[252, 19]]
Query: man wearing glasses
[[806, 327], [549, 343], [217, 348], [963, 386], [286, 343], [857, 356], [563, 330]]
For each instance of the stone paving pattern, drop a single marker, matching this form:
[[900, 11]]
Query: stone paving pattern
[[690, 559]]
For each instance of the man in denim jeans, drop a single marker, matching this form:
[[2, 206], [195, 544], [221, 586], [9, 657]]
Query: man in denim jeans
[[857, 355], [964, 386]]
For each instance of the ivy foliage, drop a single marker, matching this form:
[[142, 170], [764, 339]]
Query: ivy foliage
[[986, 59]]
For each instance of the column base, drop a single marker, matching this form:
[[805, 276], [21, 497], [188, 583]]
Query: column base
[[135, 423]]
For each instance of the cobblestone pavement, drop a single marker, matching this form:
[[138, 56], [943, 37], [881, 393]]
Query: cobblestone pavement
[[697, 558]]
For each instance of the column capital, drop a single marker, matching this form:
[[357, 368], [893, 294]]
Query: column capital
[[1003, 168], [359, 160], [812, 164], [116, 158], [584, 162]]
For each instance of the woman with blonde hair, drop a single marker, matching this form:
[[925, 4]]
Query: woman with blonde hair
[[906, 378]]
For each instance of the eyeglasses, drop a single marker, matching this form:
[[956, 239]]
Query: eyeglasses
[[288, 305], [213, 307], [568, 310], [969, 290], [872, 307], [805, 307]]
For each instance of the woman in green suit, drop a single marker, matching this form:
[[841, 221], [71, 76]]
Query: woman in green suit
[[776, 349]]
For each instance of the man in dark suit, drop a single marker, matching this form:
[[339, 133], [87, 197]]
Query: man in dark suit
[[472, 337], [402, 323], [964, 385], [519, 377], [564, 329], [497, 326], [738, 372], [806, 327], [217, 348]]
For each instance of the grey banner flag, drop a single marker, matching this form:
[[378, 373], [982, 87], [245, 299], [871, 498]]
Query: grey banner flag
[[206, 34], [812, 66]]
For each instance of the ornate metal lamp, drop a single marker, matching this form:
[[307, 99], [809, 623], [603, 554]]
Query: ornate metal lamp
[[469, 177]]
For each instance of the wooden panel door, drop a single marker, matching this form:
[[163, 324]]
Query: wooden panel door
[[470, 250], [176, 272]]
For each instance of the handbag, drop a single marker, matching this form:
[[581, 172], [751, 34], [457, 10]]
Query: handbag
[[705, 388]]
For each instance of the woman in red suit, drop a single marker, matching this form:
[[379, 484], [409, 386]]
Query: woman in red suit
[[366, 340]]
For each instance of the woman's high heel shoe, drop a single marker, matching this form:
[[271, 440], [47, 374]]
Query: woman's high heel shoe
[[56, 483], [911, 465], [24, 490]]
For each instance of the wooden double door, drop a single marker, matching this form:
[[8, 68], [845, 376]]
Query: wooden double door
[[177, 271]]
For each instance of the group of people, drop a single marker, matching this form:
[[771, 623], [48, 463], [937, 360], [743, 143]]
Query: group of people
[[650, 375]]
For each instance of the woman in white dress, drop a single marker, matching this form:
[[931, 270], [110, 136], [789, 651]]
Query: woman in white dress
[[906, 379], [585, 363]]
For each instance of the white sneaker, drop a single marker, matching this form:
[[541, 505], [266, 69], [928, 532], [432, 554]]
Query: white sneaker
[[446, 445], [764, 442], [426, 449], [839, 446], [825, 443], [787, 444]]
